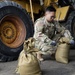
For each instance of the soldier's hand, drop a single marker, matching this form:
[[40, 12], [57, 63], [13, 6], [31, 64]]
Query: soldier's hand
[[53, 43], [71, 42]]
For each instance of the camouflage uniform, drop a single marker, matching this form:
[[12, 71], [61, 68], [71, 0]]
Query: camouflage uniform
[[45, 33]]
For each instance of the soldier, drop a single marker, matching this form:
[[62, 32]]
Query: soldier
[[47, 33]]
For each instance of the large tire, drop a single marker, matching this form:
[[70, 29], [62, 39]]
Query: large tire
[[71, 23], [15, 27]]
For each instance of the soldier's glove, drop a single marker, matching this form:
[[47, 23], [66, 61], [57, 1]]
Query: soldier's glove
[[53, 43], [71, 42]]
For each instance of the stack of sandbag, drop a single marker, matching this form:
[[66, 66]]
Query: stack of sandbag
[[62, 52], [28, 63]]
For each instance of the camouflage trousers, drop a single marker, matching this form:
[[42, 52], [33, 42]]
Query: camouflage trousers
[[45, 48]]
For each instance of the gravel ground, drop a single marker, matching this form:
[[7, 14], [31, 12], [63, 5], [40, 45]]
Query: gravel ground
[[48, 67]]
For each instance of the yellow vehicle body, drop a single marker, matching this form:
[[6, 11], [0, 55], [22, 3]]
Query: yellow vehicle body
[[62, 11]]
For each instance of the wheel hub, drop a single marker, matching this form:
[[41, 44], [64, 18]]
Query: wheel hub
[[12, 31]]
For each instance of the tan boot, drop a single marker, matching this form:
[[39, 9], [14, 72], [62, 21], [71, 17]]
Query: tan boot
[[53, 56], [39, 56]]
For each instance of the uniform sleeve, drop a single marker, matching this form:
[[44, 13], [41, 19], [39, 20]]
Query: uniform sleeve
[[60, 29], [63, 31], [38, 28], [68, 34]]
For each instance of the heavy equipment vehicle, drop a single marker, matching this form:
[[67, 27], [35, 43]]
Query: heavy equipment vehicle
[[17, 22]]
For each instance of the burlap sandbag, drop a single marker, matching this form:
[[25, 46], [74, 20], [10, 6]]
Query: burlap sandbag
[[62, 52], [28, 63], [64, 40]]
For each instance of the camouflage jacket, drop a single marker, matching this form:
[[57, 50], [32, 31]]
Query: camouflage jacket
[[45, 31]]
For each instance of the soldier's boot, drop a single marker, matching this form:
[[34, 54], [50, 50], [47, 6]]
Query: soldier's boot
[[53, 56], [39, 56]]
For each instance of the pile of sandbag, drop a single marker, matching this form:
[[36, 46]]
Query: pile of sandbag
[[28, 63]]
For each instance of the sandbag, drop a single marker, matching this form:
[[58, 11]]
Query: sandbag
[[28, 63], [62, 52], [64, 40]]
